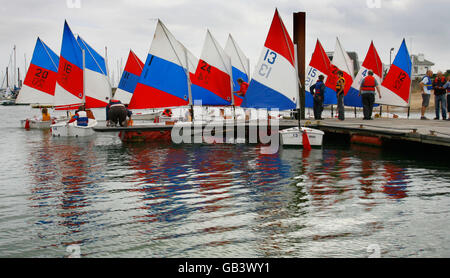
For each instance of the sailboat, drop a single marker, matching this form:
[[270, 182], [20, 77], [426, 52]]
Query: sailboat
[[320, 64], [396, 86], [129, 79], [70, 90], [371, 62], [275, 82], [240, 66], [164, 81], [39, 84], [211, 83], [341, 62]]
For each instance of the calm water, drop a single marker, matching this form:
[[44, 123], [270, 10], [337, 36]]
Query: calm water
[[117, 200]]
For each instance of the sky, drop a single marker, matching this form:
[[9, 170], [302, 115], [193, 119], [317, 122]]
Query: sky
[[123, 25]]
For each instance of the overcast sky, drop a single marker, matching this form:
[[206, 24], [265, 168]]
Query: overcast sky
[[121, 25]]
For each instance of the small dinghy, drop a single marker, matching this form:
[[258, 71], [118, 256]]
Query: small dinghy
[[64, 129], [294, 137]]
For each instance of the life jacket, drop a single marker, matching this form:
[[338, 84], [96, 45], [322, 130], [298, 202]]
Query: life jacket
[[318, 88], [429, 84], [167, 112], [340, 84], [82, 119], [439, 82], [46, 117], [368, 84], [244, 87], [114, 103]]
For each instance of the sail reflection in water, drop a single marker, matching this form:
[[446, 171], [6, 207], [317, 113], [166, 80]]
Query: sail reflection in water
[[120, 200]]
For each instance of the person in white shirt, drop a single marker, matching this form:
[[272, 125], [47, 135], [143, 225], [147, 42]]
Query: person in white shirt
[[427, 86]]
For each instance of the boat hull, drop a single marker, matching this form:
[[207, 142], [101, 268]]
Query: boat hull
[[36, 124], [294, 137], [62, 129]]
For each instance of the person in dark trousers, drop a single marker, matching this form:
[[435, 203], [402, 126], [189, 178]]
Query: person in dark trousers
[[440, 101], [116, 113], [318, 92], [340, 85], [367, 92]]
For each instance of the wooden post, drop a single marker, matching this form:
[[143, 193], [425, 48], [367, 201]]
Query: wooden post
[[300, 41]]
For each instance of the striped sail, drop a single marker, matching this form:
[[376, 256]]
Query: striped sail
[[211, 83], [341, 62], [69, 80], [164, 78], [129, 79], [39, 84], [371, 62], [274, 83], [97, 86], [240, 66], [320, 64], [396, 86]]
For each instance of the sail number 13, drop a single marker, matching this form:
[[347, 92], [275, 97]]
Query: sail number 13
[[265, 69]]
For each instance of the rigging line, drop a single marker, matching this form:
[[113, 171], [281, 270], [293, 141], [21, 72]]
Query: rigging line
[[217, 49], [289, 49], [376, 58], [45, 47], [239, 56], [136, 59], [173, 48], [343, 54], [90, 53]]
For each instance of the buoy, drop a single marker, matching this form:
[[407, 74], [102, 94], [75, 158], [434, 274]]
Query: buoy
[[366, 140], [305, 140], [27, 124]]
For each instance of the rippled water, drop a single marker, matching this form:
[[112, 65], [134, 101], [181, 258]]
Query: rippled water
[[163, 200]]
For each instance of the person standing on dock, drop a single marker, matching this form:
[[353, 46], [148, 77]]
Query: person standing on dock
[[340, 85], [427, 86], [440, 101], [318, 92], [367, 93]]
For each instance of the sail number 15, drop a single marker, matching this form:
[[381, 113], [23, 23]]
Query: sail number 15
[[265, 69]]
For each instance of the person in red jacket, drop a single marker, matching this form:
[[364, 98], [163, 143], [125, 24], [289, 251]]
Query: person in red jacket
[[244, 87], [440, 100], [367, 92]]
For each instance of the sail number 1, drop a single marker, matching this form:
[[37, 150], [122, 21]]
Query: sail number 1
[[265, 69]]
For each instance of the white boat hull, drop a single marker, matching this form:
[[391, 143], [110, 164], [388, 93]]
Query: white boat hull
[[294, 137], [62, 129], [36, 124]]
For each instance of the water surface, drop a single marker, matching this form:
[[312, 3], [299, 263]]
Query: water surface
[[165, 200]]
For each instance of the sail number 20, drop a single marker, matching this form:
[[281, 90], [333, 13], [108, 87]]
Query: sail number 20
[[265, 69]]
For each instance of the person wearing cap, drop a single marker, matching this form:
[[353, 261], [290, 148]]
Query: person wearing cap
[[340, 85], [367, 92]]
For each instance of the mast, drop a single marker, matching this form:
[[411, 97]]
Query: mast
[[84, 76], [14, 68], [299, 40], [191, 104], [26, 70]]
